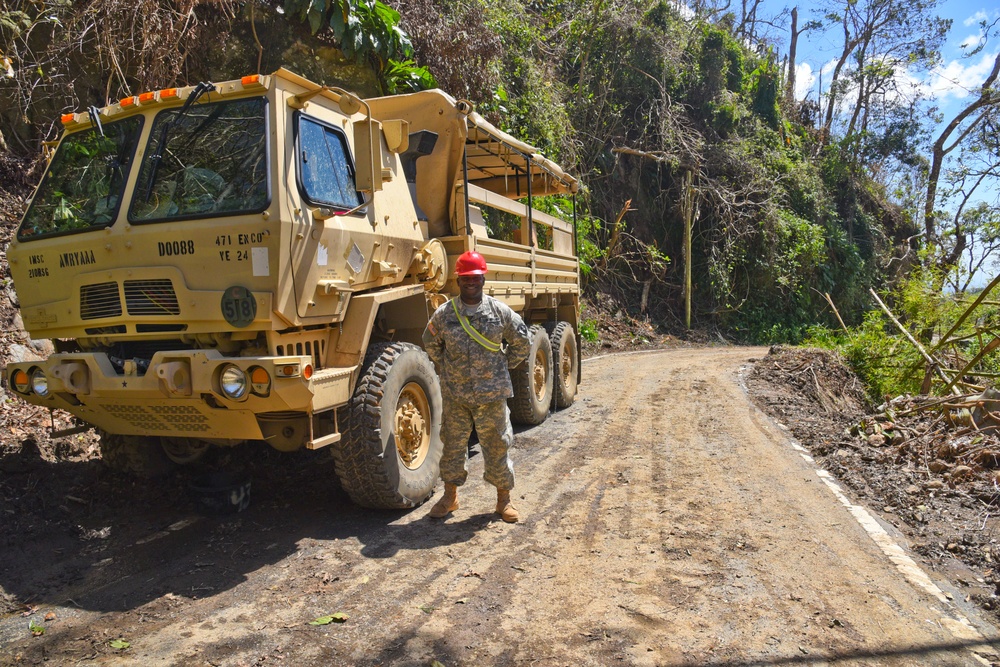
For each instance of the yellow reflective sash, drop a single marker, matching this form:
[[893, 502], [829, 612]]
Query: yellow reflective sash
[[471, 330]]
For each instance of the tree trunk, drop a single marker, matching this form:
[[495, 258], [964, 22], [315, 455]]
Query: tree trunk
[[988, 97], [849, 45], [792, 46]]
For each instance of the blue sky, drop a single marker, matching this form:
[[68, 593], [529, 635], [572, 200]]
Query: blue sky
[[951, 82], [952, 85]]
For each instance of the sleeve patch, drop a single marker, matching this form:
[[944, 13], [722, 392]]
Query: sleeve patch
[[432, 329]]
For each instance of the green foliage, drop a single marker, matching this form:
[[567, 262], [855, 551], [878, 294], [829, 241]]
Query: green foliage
[[405, 76], [919, 301], [885, 361], [800, 252], [588, 331], [720, 62], [765, 91], [529, 102], [589, 250], [367, 31], [36, 629]]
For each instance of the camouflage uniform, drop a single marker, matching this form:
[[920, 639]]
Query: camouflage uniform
[[475, 385]]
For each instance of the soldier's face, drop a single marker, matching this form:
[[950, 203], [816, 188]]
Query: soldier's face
[[471, 288]]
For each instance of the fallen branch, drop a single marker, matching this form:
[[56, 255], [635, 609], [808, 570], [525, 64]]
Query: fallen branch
[[934, 363]]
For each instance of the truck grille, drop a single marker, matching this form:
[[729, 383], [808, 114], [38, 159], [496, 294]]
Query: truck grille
[[100, 300], [142, 297], [151, 297]]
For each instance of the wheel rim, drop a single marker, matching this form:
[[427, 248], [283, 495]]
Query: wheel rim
[[566, 365], [183, 451], [412, 425], [538, 375]]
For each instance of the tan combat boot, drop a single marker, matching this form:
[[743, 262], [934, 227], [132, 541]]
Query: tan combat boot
[[447, 504], [505, 508]]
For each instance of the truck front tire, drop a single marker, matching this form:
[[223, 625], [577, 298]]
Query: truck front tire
[[134, 455], [389, 456], [532, 381]]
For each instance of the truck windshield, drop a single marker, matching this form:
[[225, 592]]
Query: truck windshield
[[83, 185], [213, 161]]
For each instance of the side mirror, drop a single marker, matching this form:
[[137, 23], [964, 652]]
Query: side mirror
[[368, 155]]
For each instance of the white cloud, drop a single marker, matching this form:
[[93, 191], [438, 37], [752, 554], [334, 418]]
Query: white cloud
[[960, 78], [683, 9], [827, 68], [804, 80], [976, 18], [971, 40]]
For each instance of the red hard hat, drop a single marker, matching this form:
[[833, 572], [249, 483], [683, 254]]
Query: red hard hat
[[470, 264]]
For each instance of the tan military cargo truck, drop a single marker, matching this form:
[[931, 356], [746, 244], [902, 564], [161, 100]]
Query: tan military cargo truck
[[257, 259]]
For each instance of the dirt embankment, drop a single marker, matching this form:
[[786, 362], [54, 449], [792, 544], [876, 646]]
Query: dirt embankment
[[933, 479]]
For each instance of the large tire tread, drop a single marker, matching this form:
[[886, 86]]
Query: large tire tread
[[134, 456], [563, 340], [524, 407], [359, 457]]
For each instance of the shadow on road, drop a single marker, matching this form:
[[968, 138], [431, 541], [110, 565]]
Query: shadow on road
[[75, 534]]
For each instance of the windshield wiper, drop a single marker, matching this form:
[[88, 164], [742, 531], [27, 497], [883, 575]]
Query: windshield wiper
[[161, 144], [95, 118]]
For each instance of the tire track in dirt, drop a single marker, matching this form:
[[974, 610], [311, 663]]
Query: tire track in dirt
[[520, 569], [666, 522]]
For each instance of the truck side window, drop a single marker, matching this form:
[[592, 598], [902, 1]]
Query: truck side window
[[326, 174]]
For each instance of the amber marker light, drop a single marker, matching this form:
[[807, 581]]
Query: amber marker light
[[307, 372], [146, 98], [20, 381], [168, 93], [127, 102], [260, 381], [68, 118], [287, 370], [248, 80]]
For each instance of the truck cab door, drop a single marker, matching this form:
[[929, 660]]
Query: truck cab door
[[328, 249]]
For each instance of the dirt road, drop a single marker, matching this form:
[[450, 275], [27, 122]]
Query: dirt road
[[666, 521]]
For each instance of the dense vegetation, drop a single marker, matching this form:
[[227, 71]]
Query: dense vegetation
[[663, 109]]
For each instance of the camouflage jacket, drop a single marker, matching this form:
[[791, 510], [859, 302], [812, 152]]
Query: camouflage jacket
[[469, 372]]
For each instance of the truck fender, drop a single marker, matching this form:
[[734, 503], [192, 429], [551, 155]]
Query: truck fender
[[356, 329]]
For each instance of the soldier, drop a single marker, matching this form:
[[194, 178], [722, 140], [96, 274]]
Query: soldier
[[463, 339]]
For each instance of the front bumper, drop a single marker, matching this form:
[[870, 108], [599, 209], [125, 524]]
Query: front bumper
[[180, 394]]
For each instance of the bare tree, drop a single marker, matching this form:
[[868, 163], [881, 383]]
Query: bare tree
[[793, 44], [880, 37], [977, 113]]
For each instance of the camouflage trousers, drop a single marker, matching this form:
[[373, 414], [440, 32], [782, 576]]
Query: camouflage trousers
[[492, 422]]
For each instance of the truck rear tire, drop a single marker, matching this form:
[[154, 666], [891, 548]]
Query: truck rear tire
[[389, 456], [532, 381], [565, 364], [134, 455]]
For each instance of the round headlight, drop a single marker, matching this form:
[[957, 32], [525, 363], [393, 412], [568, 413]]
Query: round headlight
[[233, 381], [40, 383]]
